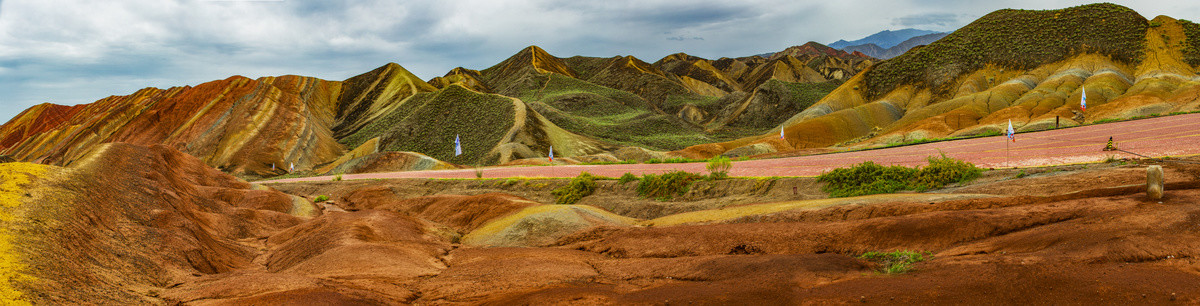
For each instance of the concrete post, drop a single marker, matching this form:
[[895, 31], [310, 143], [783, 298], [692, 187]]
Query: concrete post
[[1154, 182]]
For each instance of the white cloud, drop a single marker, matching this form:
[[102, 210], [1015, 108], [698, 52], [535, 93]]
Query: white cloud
[[92, 49]]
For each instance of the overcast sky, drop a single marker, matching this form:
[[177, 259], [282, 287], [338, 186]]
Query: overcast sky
[[73, 52]]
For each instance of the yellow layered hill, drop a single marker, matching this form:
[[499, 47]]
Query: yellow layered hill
[[1139, 68]]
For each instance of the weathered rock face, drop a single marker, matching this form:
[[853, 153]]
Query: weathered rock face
[[237, 124]]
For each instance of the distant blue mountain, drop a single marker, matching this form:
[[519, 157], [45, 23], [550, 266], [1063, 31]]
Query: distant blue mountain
[[881, 53], [885, 39]]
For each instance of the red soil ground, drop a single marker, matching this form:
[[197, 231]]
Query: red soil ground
[[140, 225]]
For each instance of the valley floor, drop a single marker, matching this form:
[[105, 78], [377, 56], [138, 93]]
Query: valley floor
[[1079, 234]]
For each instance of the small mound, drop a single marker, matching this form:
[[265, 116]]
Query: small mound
[[363, 244], [462, 213], [542, 225]]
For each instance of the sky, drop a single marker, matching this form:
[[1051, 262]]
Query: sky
[[75, 52]]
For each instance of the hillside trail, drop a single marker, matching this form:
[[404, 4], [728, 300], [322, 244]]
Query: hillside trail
[[1168, 136]]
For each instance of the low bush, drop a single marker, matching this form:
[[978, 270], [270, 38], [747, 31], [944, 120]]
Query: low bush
[[628, 177], [666, 186], [943, 171], [337, 178], [866, 178], [321, 198], [579, 187], [871, 178], [718, 167]]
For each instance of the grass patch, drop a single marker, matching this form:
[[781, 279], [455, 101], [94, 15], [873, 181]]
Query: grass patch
[[896, 262], [321, 198], [871, 178], [666, 186], [579, 187]]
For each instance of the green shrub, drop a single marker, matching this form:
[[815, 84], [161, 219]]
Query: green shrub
[[1021, 174], [1155, 24], [628, 177], [579, 187], [337, 178], [666, 186], [942, 171], [321, 198], [866, 178], [896, 262], [478, 173], [871, 178], [718, 167]]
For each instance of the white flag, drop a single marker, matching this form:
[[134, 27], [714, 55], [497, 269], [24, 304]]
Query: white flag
[[551, 153], [292, 167], [1011, 135], [1083, 98], [781, 132], [457, 146]]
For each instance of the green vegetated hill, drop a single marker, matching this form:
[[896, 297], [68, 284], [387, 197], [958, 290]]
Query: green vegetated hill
[[615, 116], [673, 103], [1027, 66], [1015, 39], [428, 123]]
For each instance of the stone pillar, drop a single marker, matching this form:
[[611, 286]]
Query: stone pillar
[[1154, 182]]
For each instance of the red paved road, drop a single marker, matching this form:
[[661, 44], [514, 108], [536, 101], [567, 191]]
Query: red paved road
[[1164, 136]]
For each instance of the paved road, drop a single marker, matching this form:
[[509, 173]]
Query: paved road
[[1164, 136]]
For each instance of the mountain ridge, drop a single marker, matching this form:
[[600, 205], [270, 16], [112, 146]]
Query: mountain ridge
[[884, 39], [876, 51]]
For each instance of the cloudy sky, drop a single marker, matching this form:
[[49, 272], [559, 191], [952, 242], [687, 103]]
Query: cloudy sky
[[73, 52]]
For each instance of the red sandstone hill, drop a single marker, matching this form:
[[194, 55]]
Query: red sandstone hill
[[1001, 67]]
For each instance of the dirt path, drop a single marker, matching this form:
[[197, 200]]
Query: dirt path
[[1163, 136]]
